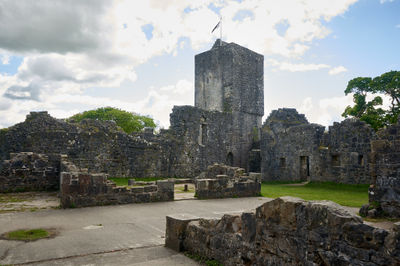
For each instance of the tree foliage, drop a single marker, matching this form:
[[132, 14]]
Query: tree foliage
[[387, 84], [129, 122]]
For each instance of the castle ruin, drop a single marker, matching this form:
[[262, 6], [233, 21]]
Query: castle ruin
[[224, 126]]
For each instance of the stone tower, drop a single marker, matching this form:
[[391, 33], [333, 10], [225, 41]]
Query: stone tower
[[229, 78]]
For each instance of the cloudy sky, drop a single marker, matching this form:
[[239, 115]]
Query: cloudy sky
[[68, 56]]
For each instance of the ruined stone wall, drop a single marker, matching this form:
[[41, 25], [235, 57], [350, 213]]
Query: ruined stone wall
[[205, 137], [384, 192], [99, 146], [222, 181], [345, 153], [286, 231], [28, 171], [79, 189], [293, 150], [197, 138]]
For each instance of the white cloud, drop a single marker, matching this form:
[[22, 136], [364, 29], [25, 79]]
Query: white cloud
[[5, 59], [69, 46], [330, 109], [286, 66], [306, 105], [158, 104], [337, 70], [326, 111], [398, 26]]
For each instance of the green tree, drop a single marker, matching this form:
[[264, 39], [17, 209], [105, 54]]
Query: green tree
[[129, 122], [387, 84]]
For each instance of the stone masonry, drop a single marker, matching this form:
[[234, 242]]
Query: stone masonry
[[384, 192], [221, 181], [81, 189], [286, 231], [294, 150], [101, 147], [229, 78], [28, 171]]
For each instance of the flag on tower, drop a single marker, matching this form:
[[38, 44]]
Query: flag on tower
[[216, 26]]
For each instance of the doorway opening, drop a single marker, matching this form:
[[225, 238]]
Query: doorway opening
[[229, 159], [304, 168]]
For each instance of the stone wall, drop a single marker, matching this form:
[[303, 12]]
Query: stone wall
[[79, 189], [196, 139], [221, 181], [384, 193], [207, 137], [99, 146], [286, 231], [294, 150], [28, 171]]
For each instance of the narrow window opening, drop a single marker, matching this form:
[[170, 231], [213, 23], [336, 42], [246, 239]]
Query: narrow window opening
[[282, 162], [229, 159], [304, 167], [203, 134], [335, 160], [361, 160]]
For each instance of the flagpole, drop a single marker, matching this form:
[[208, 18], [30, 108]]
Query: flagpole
[[220, 32]]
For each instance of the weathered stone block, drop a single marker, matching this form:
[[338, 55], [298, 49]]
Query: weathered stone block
[[137, 190], [152, 188], [175, 232]]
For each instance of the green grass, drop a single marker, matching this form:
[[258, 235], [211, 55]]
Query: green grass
[[343, 194], [27, 235]]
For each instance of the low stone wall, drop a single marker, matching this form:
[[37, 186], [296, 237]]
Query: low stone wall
[[28, 171], [286, 231], [223, 187], [79, 189], [222, 181]]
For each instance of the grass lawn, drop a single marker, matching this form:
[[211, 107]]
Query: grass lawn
[[346, 195], [27, 235]]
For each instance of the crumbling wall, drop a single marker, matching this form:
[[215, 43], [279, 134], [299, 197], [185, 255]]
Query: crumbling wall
[[204, 137], [99, 146], [345, 153], [82, 189], [384, 192], [196, 139], [28, 171], [286, 231], [222, 181], [294, 150]]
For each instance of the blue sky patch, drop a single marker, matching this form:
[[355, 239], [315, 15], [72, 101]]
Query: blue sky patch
[[243, 14], [148, 31], [12, 67]]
